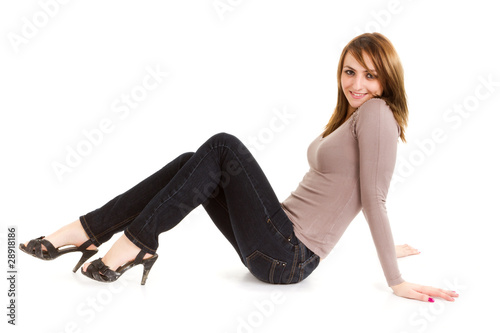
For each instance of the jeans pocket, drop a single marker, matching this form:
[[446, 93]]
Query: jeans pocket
[[280, 224], [308, 266], [265, 268]]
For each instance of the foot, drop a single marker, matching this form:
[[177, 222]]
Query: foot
[[122, 251], [405, 250], [70, 234]]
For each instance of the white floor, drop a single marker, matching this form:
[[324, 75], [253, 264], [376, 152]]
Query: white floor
[[198, 285]]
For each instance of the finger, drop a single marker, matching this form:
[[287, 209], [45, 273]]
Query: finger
[[414, 251], [420, 296], [451, 293], [410, 250], [438, 292]]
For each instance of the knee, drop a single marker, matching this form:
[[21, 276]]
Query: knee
[[231, 141], [225, 137], [184, 157]]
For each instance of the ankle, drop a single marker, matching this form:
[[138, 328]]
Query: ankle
[[122, 251], [70, 234]]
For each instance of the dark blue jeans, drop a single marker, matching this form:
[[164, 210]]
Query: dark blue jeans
[[225, 178]]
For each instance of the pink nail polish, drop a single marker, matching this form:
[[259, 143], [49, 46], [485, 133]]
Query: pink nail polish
[[431, 300]]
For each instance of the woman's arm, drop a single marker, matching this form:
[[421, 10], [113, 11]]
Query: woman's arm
[[377, 133]]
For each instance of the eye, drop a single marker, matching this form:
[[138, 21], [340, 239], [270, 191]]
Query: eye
[[349, 72], [371, 76]]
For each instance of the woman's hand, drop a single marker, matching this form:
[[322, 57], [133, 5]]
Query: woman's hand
[[422, 293], [405, 250]]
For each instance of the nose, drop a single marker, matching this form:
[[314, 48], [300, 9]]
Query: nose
[[358, 83]]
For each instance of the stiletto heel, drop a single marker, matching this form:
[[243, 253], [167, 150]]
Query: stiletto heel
[[98, 271], [148, 263], [87, 254], [34, 248]]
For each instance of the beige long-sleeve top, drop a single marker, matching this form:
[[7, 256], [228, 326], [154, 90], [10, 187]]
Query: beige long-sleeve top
[[350, 170]]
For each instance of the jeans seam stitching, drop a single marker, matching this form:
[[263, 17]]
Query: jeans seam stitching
[[92, 236], [138, 241], [221, 203], [271, 272], [295, 259], [117, 226]]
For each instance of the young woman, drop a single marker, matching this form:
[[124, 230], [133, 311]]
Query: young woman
[[351, 165]]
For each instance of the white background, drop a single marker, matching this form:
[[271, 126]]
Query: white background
[[233, 71]]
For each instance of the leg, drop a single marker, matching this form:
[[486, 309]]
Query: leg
[[216, 207], [221, 163], [101, 224], [117, 214], [223, 171]]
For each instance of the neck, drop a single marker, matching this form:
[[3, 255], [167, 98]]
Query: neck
[[350, 111]]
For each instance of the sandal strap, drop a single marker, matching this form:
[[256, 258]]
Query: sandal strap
[[85, 245], [139, 257], [97, 270], [36, 245], [53, 253]]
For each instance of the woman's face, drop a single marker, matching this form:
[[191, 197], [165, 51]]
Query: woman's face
[[359, 84]]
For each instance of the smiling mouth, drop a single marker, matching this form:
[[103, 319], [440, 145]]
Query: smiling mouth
[[357, 96]]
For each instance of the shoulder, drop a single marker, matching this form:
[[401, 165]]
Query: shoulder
[[375, 114], [374, 105]]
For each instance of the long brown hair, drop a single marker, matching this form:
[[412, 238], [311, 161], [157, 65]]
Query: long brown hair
[[390, 74]]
